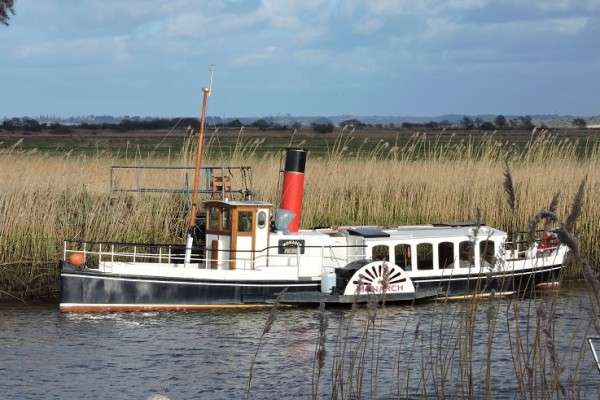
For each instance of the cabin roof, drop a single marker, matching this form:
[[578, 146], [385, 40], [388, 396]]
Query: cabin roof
[[442, 230]]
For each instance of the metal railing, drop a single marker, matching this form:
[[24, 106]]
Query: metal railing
[[217, 180], [520, 248], [97, 252]]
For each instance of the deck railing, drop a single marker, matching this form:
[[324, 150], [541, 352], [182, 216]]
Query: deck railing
[[520, 248], [98, 252]]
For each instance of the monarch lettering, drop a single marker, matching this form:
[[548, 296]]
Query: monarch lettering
[[394, 288]]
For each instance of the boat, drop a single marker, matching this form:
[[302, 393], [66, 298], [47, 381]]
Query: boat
[[242, 253], [247, 255]]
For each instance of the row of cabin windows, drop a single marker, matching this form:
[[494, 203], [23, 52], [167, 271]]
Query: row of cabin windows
[[425, 257]]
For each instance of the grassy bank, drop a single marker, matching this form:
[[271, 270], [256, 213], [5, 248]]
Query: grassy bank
[[419, 179]]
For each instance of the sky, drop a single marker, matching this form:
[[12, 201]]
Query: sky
[[301, 58]]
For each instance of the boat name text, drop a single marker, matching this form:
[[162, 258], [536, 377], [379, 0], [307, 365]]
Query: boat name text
[[291, 246]]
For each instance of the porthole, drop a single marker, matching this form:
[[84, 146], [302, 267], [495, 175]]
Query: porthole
[[262, 219]]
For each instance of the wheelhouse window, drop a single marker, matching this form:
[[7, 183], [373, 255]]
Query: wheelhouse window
[[402, 256], [381, 252], [487, 252], [245, 221], [226, 218], [213, 218], [424, 256], [446, 255]]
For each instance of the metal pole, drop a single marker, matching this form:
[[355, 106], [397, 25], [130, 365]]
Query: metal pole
[[188, 248], [198, 160]]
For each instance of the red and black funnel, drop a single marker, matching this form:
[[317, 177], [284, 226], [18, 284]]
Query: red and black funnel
[[293, 185]]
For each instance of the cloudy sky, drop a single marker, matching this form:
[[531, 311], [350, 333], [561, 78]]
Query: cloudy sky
[[301, 57]]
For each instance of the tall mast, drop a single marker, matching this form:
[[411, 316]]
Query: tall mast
[[206, 93]]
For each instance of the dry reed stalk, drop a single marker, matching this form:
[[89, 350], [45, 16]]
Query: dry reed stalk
[[320, 350], [272, 317]]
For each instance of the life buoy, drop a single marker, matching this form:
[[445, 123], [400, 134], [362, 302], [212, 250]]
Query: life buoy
[[545, 242]]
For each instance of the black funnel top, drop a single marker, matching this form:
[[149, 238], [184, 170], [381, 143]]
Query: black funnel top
[[295, 160]]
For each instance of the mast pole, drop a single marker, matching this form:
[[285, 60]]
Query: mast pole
[[206, 93]]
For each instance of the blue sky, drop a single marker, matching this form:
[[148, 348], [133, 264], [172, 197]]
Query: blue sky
[[301, 57]]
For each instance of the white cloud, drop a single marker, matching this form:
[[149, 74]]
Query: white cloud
[[554, 5], [311, 57], [368, 25], [149, 29], [439, 26], [421, 7], [570, 26], [111, 48], [110, 9], [256, 57]]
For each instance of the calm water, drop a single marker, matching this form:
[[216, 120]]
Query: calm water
[[207, 355]]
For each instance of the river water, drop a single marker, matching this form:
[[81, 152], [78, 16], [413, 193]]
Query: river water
[[430, 350]]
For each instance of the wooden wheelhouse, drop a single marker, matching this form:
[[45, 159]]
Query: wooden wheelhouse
[[237, 233]]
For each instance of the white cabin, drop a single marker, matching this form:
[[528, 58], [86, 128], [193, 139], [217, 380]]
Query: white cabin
[[239, 237]]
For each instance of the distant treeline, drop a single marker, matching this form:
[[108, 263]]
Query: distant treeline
[[320, 125]]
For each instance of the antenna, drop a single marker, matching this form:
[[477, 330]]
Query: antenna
[[209, 88]]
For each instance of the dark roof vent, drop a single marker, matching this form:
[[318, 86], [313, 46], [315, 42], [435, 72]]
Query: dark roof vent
[[368, 232]]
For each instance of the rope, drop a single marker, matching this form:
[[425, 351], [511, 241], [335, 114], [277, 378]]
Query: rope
[[168, 133]]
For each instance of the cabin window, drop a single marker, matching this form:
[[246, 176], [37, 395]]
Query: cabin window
[[262, 219], [486, 253], [380, 252], [402, 256], [245, 221], [446, 255], [213, 218], [226, 217], [465, 254], [424, 256]]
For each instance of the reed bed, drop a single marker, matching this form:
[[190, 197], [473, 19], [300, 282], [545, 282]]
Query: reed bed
[[529, 347], [494, 348], [46, 199]]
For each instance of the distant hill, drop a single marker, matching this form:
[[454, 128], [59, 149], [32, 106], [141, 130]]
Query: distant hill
[[549, 120]]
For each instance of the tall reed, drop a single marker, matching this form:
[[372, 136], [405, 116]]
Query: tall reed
[[452, 349]]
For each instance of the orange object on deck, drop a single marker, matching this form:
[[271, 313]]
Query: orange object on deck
[[76, 259], [220, 184]]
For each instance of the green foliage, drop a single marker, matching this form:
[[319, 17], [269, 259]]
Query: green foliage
[[500, 122], [353, 123], [323, 128]]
